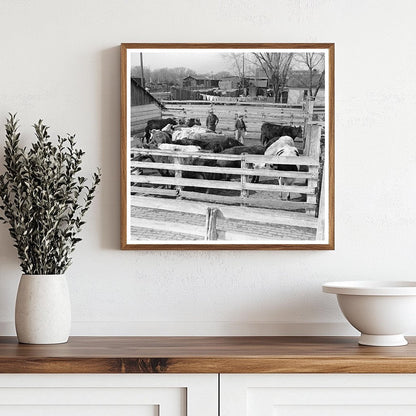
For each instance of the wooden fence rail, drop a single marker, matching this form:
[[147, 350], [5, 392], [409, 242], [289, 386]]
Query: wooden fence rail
[[229, 115], [221, 108], [216, 219], [255, 159], [225, 200], [255, 114], [238, 213], [181, 172], [213, 184], [240, 103], [224, 171]]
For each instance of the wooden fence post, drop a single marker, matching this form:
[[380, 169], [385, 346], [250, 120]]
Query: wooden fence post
[[320, 232], [211, 224], [244, 191], [308, 106], [178, 174], [313, 151]]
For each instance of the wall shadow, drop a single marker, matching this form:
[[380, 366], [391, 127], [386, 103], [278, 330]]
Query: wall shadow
[[110, 147]]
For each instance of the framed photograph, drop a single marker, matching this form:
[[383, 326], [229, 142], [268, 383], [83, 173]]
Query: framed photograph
[[227, 146]]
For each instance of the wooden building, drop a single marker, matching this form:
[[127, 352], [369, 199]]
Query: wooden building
[[257, 86], [196, 83], [297, 87], [144, 107], [229, 83]]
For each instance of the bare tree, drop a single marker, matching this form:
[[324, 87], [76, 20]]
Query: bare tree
[[240, 66], [276, 66], [237, 63], [171, 76], [315, 64]]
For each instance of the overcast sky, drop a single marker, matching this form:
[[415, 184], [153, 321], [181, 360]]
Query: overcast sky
[[200, 62]]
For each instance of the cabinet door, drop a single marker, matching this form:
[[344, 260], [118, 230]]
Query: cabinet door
[[108, 395], [318, 394]]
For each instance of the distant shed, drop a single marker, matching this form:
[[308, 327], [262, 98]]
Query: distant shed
[[144, 106], [297, 87], [199, 83]]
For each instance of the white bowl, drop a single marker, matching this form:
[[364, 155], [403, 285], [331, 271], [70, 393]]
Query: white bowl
[[381, 311]]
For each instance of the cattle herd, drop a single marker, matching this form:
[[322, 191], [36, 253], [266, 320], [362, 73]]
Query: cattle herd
[[172, 135]]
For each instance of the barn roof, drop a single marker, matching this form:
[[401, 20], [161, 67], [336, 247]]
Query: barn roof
[[200, 78], [229, 77], [137, 82]]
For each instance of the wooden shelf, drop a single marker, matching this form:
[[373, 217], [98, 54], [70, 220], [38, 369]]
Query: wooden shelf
[[206, 355]]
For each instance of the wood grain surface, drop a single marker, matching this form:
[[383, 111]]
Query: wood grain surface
[[206, 355]]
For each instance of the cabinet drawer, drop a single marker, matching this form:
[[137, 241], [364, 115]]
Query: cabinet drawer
[[108, 395], [318, 394]]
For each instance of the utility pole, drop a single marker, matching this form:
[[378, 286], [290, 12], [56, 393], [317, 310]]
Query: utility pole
[[141, 65], [244, 89]]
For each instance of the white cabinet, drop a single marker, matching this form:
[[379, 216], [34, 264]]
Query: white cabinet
[[109, 395], [317, 394], [197, 395]]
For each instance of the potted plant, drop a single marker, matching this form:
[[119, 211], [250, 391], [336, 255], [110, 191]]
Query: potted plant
[[44, 199]]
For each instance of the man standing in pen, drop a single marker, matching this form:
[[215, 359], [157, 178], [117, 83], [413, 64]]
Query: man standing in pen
[[240, 128], [212, 120]]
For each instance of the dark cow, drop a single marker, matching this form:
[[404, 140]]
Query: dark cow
[[221, 163], [193, 142], [202, 175], [214, 145], [193, 122], [219, 145], [238, 150], [157, 124], [271, 132], [157, 137], [182, 121]]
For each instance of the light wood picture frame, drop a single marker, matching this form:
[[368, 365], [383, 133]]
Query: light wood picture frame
[[227, 146]]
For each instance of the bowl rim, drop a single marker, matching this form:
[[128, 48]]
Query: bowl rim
[[371, 288]]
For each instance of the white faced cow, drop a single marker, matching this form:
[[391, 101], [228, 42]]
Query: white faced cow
[[284, 147], [168, 129], [179, 148]]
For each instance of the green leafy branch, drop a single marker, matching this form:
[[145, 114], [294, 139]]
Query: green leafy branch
[[44, 198]]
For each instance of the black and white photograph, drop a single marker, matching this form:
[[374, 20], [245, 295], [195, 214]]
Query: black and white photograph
[[227, 146]]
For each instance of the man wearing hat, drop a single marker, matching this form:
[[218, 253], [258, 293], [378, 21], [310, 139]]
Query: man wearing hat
[[240, 128], [212, 120]]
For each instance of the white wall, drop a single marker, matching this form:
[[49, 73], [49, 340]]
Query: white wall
[[60, 61]]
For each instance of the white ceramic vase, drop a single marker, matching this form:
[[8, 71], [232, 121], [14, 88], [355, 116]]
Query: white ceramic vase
[[43, 309]]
